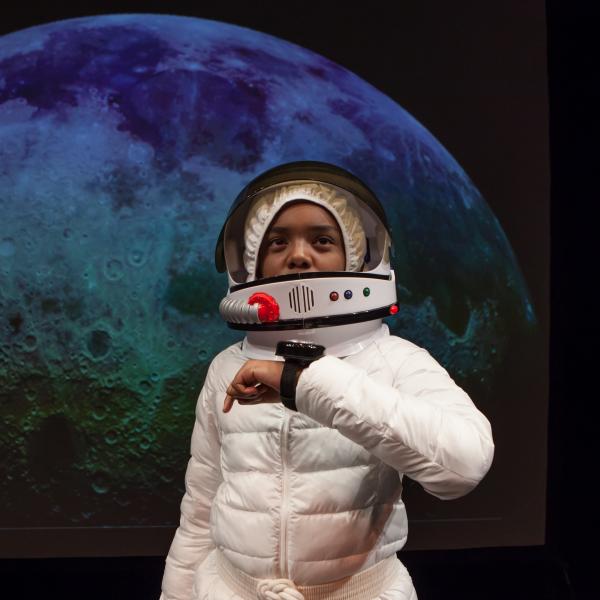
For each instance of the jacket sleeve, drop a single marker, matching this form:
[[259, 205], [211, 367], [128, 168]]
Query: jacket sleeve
[[192, 541], [422, 425]]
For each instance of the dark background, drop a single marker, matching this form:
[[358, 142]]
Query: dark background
[[364, 39]]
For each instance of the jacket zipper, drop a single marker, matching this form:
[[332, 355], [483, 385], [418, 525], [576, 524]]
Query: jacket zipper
[[284, 493]]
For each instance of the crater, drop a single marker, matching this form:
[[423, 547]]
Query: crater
[[98, 343]]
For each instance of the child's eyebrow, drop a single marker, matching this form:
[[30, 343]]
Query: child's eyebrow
[[312, 228]]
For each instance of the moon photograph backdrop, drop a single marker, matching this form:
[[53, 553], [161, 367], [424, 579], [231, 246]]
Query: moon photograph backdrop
[[123, 141]]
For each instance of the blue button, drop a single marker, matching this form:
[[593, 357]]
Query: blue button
[[347, 294]]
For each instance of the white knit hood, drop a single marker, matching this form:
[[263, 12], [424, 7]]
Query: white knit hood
[[335, 200]]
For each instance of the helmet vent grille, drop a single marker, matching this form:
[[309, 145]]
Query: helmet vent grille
[[302, 299]]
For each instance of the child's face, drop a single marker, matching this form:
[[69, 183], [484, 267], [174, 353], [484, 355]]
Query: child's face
[[303, 237]]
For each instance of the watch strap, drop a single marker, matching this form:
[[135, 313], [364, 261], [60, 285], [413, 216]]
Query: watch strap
[[287, 388]]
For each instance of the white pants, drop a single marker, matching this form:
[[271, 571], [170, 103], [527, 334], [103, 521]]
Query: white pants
[[209, 585]]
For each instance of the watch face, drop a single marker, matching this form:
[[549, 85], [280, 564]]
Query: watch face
[[300, 350]]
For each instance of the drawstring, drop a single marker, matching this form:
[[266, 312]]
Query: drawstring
[[369, 583], [277, 589]]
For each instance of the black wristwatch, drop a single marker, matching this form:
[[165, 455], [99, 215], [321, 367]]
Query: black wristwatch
[[298, 355]]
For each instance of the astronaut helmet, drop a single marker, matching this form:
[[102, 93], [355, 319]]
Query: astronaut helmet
[[341, 310]]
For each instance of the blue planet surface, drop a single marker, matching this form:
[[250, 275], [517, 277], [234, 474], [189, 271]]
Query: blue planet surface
[[123, 141]]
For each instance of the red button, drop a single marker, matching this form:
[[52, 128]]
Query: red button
[[268, 309], [334, 296], [393, 309]]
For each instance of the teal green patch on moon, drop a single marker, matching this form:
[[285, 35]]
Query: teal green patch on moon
[[123, 141]]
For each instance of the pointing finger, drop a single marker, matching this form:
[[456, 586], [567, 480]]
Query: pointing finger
[[228, 404]]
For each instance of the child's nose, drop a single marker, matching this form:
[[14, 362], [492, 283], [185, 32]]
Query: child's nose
[[299, 256]]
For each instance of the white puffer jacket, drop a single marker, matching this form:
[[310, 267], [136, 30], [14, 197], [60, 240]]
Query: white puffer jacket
[[314, 496]]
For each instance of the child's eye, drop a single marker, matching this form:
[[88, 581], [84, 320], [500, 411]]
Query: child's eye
[[278, 241], [323, 241]]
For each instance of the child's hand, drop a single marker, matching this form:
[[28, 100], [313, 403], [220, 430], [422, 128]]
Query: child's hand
[[257, 381]]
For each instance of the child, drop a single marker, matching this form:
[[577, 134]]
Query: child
[[293, 489]]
